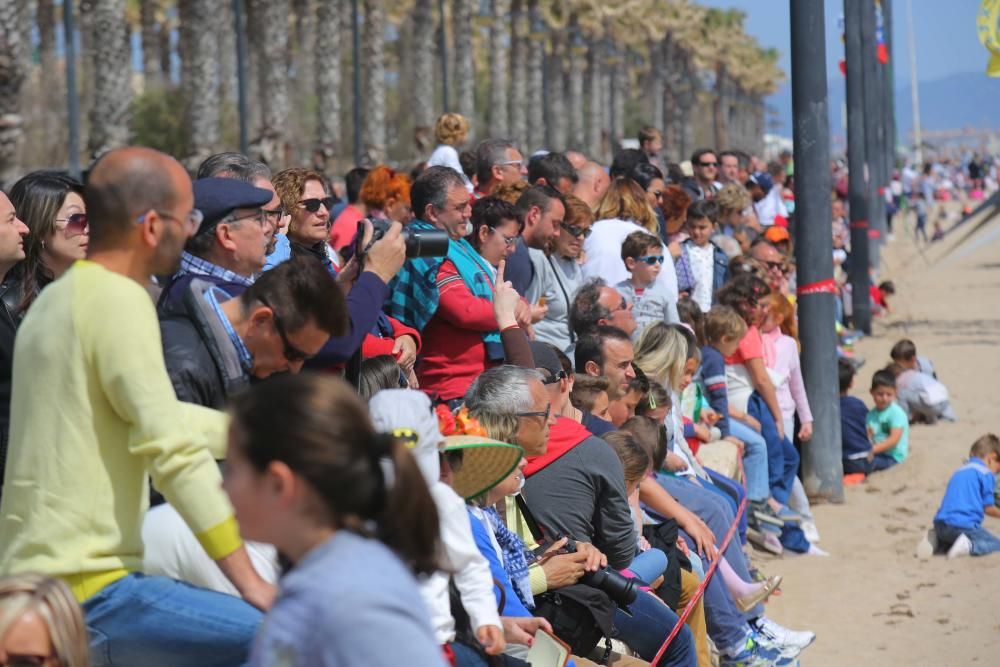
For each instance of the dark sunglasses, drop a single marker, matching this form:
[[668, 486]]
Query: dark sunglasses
[[708, 164], [76, 225], [292, 353], [651, 259], [557, 377], [775, 265], [576, 232], [312, 205]]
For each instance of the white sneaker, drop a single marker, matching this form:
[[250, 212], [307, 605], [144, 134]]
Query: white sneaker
[[782, 636], [816, 551], [961, 547], [928, 545], [810, 530]]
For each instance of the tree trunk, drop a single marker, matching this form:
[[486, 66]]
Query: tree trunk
[[422, 57], [272, 82], [657, 82], [46, 18], [152, 70], [499, 50], [465, 65], [228, 82], [112, 70], [595, 108], [555, 113], [534, 100], [719, 108], [373, 65], [520, 27], [12, 74], [305, 47], [619, 88], [200, 62], [577, 64], [328, 79]]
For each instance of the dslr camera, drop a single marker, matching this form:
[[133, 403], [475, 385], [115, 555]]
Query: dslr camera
[[419, 242], [622, 590]]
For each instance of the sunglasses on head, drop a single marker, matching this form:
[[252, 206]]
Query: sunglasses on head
[[575, 231], [554, 378], [312, 205], [76, 225], [651, 259]]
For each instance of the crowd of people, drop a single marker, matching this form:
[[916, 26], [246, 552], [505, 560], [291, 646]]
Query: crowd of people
[[548, 398]]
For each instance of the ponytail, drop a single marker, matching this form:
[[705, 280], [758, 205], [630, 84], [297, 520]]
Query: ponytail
[[366, 483]]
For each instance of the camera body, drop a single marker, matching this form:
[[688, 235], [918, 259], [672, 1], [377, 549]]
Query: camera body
[[419, 242], [622, 590]]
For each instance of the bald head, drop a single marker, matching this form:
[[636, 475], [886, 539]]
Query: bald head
[[576, 158], [592, 184], [126, 183]]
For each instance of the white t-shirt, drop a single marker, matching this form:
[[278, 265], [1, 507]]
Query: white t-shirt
[[446, 156], [703, 268]]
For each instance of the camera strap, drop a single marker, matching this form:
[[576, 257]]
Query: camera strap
[[531, 522]]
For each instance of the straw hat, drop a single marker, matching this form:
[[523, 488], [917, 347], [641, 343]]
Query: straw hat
[[485, 463]]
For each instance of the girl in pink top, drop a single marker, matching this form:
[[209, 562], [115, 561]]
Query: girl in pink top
[[781, 356]]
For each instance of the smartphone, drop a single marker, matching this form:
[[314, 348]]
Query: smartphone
[[548, 651]]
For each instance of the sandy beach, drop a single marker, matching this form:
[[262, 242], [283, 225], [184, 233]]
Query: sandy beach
[[872, 602]]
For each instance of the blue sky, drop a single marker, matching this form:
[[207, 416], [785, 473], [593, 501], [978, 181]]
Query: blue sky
[[944, 30]]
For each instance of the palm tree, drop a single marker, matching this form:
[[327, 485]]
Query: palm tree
[[228, 83], [518, 101], [328, 78], [577, 67], [499, 50], [535, 93], [422, 90], [273, 93], [465, 66], [12, 75], [555, 111], [305, 46], [200, 62], [111, 68], [595, 95], [149, 29], [373, 64]]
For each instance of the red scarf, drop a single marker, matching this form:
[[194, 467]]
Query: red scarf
[[563, 436]]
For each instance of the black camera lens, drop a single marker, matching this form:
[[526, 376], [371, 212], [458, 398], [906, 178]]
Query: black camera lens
[[622, 590], [426, 242]]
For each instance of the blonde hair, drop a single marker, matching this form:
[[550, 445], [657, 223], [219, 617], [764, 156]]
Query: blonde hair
[[661, 354], [51, 600], [732, 197], [451, 128], [626, 200]]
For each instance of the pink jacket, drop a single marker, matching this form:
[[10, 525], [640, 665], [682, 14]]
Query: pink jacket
[[781, 356]]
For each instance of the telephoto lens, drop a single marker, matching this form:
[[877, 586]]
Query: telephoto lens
[[419, 242], [622, 590]]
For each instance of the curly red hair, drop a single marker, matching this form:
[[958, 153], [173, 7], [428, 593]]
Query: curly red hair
[[383, 184]]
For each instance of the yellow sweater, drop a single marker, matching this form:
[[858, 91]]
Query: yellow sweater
[[93, 416]]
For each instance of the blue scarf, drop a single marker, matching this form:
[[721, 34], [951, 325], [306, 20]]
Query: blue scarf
[[514, 561], [478, 277]]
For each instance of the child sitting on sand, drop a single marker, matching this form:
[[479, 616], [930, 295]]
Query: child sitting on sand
[[855, 446], [918, 390], [887, 425], [968, 498]]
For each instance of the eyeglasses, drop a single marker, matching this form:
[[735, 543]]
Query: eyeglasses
[[622, 306], [15, 660], [274, 214], [312, 205], [508, 240], [260, 216], [708, 164], [776, 265], [76, 225], [575, 231], [558, 377], [292, 353], [651, 259], [192, 220], [548, 411], [509, 163]]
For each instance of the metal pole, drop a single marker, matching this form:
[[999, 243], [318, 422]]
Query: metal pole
[[72, 96], [822, 467], [874, 145], [890, 90], [444, 60], [356, 65], [241, 75], [857, 183], [918, 140]]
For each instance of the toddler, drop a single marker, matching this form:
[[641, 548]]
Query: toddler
[[643, 256], [887, 425], [968, 498]]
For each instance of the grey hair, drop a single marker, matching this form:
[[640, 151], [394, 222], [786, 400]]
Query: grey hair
[[489, 153], [497, 395], [233, 165], [432, 187]]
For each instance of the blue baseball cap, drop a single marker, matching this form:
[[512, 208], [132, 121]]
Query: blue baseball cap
[[762, 179], [218, 197]]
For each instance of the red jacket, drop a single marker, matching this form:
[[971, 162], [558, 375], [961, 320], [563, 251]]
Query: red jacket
[[453, 350], [373, 345]]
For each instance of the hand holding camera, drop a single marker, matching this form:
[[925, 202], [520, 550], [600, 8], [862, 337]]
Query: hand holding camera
[[386, 253]]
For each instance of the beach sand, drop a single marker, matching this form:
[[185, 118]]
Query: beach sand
[[872, 602]]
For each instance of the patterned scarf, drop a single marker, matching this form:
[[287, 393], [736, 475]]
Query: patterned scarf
[[514, 553]]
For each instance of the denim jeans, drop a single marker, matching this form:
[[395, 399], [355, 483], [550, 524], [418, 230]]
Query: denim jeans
[[883, 462], [648, 565], [646, 627], [983, 541], [162, 622], [733, 492], [754, 460], [782, 457]]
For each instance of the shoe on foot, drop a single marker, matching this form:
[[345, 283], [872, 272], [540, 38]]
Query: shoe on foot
[[764, 513], [787, 515], [763, 592], [928, 545], [782, 636], [816, 551], [765, 540], [810, 530], [961, 547], [755, 654]]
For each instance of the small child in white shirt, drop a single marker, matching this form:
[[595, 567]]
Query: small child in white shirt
[[643, 256]]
